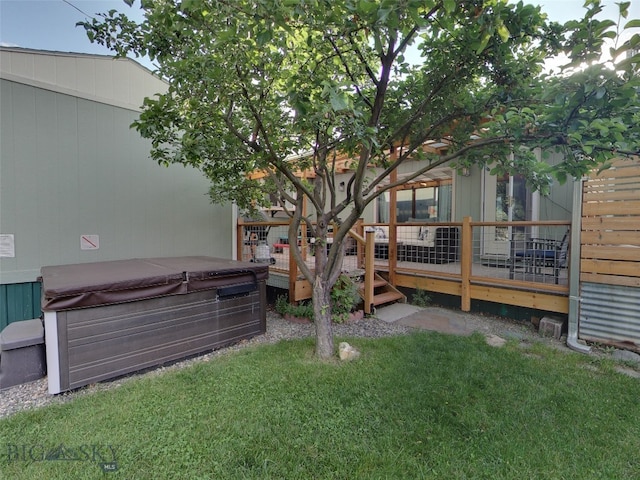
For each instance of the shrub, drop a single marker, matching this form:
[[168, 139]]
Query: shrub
[[421, 298], [344, 300], [302, 310]]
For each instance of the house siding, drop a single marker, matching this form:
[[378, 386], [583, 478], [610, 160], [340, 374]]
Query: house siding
[[19, 301], [70, 165]]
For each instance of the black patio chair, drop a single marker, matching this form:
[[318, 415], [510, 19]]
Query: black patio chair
[[538, 254]]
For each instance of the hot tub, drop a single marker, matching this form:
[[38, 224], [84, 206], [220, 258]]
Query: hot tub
[[107, 319]]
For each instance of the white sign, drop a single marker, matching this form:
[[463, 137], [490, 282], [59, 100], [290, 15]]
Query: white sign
[[89, 242], [7, 245]]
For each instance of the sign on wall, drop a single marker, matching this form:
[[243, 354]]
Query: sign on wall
[[7, 245], [89, 242]]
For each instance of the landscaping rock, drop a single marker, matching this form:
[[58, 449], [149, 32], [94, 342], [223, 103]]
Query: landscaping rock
[[347, 352], [628, 372], [515, 336], [495, 341], [626, 356], [552, 327]]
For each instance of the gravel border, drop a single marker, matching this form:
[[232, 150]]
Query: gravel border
[[35, 394]]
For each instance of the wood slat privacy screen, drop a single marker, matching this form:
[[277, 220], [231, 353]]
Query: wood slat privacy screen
[[610, 240]]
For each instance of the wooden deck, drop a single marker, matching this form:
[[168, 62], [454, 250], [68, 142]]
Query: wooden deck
[[448, 270], [471, 276]]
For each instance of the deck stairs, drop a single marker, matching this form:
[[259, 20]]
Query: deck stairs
[[383, 293]]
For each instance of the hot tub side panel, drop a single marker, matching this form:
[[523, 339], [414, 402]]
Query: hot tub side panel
[[100, 343]]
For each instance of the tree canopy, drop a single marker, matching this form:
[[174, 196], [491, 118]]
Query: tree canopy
[[284, 86]]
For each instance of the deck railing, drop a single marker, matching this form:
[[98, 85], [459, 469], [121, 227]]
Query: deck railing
[[515, 263]]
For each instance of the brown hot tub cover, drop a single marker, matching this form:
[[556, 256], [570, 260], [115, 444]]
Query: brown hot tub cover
[[84, 285]]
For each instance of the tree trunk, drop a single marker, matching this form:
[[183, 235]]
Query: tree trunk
[[322, 318]]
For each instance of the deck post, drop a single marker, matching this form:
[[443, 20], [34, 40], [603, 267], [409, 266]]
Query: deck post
[[393, 222], [240, 240], [293, 276], [369, 272], [465, 263], [359, 247]]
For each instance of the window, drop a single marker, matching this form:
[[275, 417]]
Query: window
[[421, 201]]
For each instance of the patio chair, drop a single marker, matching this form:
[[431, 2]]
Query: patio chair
[[539, 254]]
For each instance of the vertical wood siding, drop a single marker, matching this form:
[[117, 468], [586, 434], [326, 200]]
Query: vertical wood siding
[[610, 240], [610, 256]]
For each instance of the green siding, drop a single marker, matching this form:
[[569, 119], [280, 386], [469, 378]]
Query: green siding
[[71, 167], [19, 301]]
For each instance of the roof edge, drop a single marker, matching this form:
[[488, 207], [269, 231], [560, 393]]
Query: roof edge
[[57, 53]]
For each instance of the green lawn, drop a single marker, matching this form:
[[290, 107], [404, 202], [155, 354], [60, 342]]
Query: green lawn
[[419, 406]]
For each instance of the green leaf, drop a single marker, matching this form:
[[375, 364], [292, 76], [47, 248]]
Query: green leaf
[[186, 5], [264, 37], [383, 14], [367, 7], [338, 101], [449, 6], [504, 33], [633, 24], [483, 43], [624, 8]]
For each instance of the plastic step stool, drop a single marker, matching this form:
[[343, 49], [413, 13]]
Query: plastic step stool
[[22, 353]]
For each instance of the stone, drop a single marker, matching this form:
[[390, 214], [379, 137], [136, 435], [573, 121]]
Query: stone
[[347, 352], [626, 356], [515, 336], [552, 327], [628, 372], [495, 341]]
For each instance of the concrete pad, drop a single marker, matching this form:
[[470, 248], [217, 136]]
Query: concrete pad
[[396, 311], [429, 319]]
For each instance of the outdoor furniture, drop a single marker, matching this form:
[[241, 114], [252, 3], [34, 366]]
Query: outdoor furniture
[[419, 243], [440, 246], [538, 256], [381, 245], [22, 353]]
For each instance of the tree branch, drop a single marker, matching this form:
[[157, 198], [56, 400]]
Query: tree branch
[[232, 128], [370, 73], [348, 72]]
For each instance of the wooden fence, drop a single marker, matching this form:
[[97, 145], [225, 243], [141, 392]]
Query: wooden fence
[[610, 238]]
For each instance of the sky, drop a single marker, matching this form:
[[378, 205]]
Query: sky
[[51, 24]]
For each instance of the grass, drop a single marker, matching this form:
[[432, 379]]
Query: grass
[[419, 406]]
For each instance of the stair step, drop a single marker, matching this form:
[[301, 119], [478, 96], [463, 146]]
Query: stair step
[[377, 283], [386, 297]]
